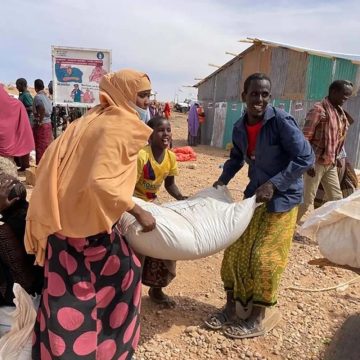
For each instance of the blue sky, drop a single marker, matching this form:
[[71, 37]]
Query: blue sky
[[173, 41]]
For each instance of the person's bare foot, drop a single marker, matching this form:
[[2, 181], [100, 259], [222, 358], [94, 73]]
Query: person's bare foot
[[159, 297]]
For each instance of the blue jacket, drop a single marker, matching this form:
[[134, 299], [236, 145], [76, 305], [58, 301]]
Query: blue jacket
[[282, 155]]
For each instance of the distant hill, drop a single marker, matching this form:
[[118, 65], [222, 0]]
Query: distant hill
[[11, 89]]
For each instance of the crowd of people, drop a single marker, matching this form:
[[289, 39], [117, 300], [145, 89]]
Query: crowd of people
[[89, 277]]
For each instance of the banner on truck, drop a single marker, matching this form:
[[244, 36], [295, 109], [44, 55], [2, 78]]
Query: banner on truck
[[77, 73]]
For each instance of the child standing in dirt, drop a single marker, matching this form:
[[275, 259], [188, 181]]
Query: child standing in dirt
[[157, 165]]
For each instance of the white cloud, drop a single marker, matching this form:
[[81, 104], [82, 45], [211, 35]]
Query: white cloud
[[172, 41]]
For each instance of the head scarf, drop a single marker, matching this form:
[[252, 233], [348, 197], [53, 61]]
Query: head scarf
[[193, 120], [86, 178], [167, 107], [16, 137]]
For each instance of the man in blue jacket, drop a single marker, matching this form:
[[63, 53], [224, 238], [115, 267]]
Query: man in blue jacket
[[277, 153]]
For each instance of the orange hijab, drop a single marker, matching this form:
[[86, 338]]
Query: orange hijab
[[87, 176]]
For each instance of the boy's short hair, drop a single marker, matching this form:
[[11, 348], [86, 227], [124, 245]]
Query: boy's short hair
[[21, 82], [253, 77], [339, 85], [39, 84], [156, 121]]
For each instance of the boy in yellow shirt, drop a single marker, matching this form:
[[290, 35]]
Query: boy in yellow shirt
[[157, 164]]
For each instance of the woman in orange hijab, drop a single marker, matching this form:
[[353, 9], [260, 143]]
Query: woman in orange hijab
[[85, 181]]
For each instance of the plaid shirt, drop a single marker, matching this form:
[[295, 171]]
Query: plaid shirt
[[325, 128]]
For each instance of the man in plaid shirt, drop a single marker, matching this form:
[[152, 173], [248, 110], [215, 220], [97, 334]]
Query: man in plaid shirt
[[325, 127]]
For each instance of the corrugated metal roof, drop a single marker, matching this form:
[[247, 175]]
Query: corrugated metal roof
[[261, 42], [353, 57], [225, 65]]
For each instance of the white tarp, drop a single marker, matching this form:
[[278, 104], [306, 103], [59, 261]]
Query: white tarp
[[77, 73]]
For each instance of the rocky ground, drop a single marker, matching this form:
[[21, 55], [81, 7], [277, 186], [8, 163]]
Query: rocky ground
[[314, 325]]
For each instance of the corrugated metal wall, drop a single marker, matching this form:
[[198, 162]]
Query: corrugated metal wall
[[257, 60], [219, 124], [265, 60], [279, 66], [344, 70], [352, 144], [318, 77], [220, 86], [224, 85], [299, 109], [233, 114], [251, 64], [283, 104], [295, 84], [298, 81], [357, 81], [206, 90], [207, 128], [233, 81]]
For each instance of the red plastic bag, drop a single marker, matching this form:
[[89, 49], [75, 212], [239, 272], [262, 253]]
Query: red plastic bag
[[185, 153]]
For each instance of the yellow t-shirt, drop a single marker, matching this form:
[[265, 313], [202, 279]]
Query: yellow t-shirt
[[151, 174]]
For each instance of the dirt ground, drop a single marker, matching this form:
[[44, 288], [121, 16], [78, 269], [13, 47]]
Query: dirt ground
[[314, 325]]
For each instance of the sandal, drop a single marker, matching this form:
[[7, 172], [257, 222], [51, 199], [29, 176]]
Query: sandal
[[242, 330], [272, 318], [217, 320]]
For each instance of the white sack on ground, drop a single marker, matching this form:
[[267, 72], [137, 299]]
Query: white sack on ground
[[16, 344], [200, 226], [336, 227]]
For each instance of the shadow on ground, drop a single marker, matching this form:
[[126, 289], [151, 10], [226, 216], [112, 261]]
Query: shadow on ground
[[345, 345], [322, 262], [157, 320]]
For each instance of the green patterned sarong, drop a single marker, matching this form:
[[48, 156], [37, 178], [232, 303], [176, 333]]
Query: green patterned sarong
[[253, 265]]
